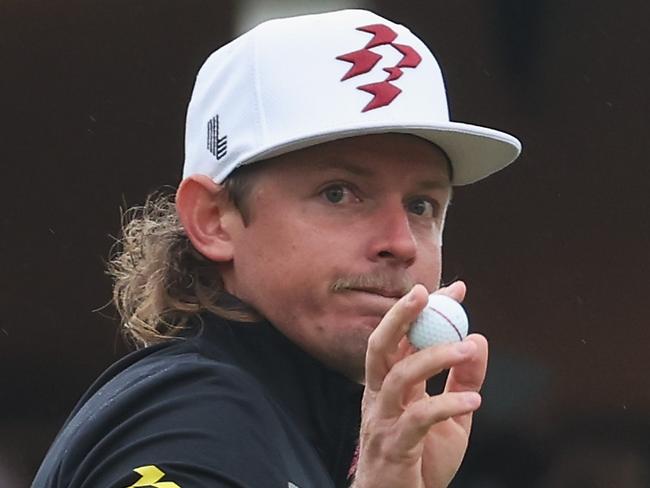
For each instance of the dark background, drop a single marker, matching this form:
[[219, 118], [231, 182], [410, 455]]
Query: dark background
[[554, 248]]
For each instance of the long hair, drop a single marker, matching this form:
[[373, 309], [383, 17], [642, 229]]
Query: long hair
[[160, 281]]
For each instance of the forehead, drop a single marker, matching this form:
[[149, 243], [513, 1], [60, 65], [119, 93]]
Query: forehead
[[394, 157]]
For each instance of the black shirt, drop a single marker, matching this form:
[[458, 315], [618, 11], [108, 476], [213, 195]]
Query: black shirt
[[234, 405]]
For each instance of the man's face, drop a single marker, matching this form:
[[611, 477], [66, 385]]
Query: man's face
[[337, 233]]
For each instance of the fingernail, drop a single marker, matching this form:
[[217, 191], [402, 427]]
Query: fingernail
[[465, 347], [472, 399], [411, 296]]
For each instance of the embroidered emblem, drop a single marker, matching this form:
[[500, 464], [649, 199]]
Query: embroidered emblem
[[364, 60], [150, 476], [216, 145]]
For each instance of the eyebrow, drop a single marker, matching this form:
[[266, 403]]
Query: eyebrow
[[361, 171], [434, 184], [344, 165]]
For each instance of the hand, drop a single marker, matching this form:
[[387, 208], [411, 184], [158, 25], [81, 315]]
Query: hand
[[408, 438]]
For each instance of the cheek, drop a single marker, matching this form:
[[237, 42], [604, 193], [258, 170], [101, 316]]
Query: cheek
[[284, 264], [427, 268]]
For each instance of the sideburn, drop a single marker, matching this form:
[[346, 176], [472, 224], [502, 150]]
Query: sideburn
[[240, 184]]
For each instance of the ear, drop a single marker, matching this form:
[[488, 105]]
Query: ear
[[206, 214]]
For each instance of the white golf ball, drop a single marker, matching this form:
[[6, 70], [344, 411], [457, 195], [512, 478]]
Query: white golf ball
[[442, 320]]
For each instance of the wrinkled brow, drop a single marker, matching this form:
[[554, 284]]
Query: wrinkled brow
[[357, 170], [343, 165]]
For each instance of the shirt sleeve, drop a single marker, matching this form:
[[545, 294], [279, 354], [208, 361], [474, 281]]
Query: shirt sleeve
[[190, 424]]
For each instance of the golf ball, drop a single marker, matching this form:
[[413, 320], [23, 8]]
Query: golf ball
[[442, 320]]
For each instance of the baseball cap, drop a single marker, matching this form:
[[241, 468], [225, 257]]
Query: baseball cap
[[296, 82]]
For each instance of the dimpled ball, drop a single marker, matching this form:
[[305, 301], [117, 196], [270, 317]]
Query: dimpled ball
[[443, 320]]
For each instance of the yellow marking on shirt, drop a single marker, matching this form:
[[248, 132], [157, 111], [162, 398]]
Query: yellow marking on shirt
[[150, 477]]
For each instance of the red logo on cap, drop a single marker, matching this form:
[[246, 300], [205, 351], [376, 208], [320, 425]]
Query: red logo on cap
[[365, 60]]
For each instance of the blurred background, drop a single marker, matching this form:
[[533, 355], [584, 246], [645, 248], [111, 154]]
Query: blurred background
[[555, 249]]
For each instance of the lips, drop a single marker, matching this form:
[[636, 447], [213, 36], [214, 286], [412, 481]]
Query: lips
[[373, 301], [387, 293]]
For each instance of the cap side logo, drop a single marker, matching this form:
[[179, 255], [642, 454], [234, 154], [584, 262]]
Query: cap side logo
[[216, 145], [364, 60]]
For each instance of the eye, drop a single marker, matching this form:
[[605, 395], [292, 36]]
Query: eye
[[422, 207], [338, 193]]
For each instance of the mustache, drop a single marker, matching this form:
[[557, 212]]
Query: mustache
[[400, 283]]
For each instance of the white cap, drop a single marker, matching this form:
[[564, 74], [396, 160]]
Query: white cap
[[292, 83]]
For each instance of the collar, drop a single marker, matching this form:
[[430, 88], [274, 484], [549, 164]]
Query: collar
[[324, 403]]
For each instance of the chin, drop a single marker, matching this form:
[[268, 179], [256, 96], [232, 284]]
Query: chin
[[348, 354], [370, 322], [353, 368]]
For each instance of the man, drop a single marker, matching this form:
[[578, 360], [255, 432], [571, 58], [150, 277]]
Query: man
[[275, 292]]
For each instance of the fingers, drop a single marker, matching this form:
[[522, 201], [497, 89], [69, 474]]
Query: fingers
[[420, 416], [456, 290], [401, 424], [470, 375], [416, 369], [384, 340]]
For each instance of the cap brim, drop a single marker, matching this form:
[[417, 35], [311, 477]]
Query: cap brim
[[475, 152]]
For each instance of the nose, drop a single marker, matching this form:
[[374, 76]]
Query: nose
[[392, 237]]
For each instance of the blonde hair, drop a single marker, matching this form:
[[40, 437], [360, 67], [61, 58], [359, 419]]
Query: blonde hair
[[160, 281]]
